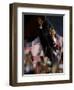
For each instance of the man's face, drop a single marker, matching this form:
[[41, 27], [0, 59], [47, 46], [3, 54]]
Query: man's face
[[52, 32], [40, 21]]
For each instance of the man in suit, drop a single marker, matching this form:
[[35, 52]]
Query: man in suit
[[45, 37], [57, 49]]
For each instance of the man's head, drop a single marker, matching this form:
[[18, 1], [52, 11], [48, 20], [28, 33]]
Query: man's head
[[40, 20], [52, 31]]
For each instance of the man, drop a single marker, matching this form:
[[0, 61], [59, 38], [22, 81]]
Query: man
[[57, 49], [45, 38]]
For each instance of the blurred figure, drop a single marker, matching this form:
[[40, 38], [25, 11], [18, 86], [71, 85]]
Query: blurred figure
[[45, 38], [28, 66], [35, 48], [57, 49]]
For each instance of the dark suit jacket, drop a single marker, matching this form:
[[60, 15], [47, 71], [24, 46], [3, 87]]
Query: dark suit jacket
[[46, 41]]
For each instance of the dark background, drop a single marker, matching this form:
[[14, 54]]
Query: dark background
[[30, 24]]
